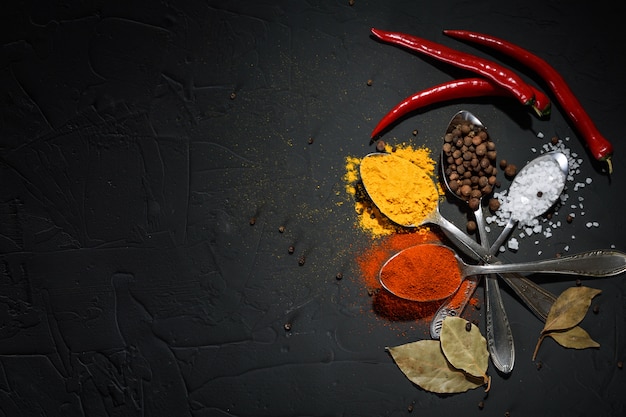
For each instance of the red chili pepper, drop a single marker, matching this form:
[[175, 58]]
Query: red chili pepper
[[491, 70], [451, 90], [600, 147]]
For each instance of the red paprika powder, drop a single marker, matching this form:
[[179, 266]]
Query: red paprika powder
[[422, 273], [385, 304]]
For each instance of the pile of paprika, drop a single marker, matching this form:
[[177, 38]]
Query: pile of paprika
[[423, 273]]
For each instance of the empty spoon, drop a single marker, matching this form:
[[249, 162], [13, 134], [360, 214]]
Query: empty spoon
[[435, 282]]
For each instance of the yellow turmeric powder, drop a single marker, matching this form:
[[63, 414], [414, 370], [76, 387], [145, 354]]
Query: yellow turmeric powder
[[399, 188], [423, 194]]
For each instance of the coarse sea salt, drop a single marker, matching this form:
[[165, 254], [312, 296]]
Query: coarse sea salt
[[572, 184], [533, 191]]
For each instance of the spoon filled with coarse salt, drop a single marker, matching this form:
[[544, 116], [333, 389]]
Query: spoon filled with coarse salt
[[439, 271], [534, 190]]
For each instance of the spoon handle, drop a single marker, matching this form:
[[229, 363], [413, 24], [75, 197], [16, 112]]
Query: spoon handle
[[499, 334], [536, 298], [597, 263], [508, 228]]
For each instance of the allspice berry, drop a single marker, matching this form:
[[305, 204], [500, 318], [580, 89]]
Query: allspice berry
[[494, 204], [510, 170], [471, 226]]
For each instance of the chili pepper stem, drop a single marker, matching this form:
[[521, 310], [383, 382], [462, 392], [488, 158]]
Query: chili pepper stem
[[609, 163]]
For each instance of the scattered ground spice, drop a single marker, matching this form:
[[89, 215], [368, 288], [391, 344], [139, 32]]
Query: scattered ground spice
[[388, 239], [385, 304]]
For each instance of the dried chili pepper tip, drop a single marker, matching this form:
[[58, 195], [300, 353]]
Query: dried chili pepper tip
[[599, 146]]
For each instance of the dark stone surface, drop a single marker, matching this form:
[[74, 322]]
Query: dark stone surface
[[138, 139]]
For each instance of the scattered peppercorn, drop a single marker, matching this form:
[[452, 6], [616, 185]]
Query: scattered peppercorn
[[471, 226], [380, 146], [291, 250], [281, 229], [481, 405], [539, 365], [287, 326], [579, 283], [468, 326], [620, 364], [596, 309], [339, 276], [539, 194], [351, 2], [252, 221], [507, 414], [503, 163], [554, 140], [415, 132], [311, 140], [494, 204], [569, 218], [510, 170], [301, 260], [410, 408], [233, 95], [369, 83]]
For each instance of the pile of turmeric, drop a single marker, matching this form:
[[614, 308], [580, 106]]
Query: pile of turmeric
[[402, 184]]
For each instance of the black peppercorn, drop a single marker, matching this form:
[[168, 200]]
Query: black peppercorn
[[468, 326]]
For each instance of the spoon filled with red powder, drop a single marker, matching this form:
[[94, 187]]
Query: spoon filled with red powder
[[432, 272]]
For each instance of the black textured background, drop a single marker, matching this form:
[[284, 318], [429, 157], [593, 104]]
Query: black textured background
[[131, 282]]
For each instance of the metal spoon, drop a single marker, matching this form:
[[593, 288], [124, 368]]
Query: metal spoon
[[535, 209], [498, 330], [536, 298], [597, 263], [416, 218]]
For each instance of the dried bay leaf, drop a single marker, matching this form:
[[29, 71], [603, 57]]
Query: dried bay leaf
[[465, 350], [566, 313], [575, 338], [570, 308], [424, 363]]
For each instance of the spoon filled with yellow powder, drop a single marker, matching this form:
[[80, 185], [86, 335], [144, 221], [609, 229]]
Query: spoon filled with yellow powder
[[408, 196]]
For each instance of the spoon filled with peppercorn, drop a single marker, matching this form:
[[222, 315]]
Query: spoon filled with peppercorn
[[468, 171], [439, 271]]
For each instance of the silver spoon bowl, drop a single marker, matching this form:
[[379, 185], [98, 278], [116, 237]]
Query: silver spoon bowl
[[597, 263]]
